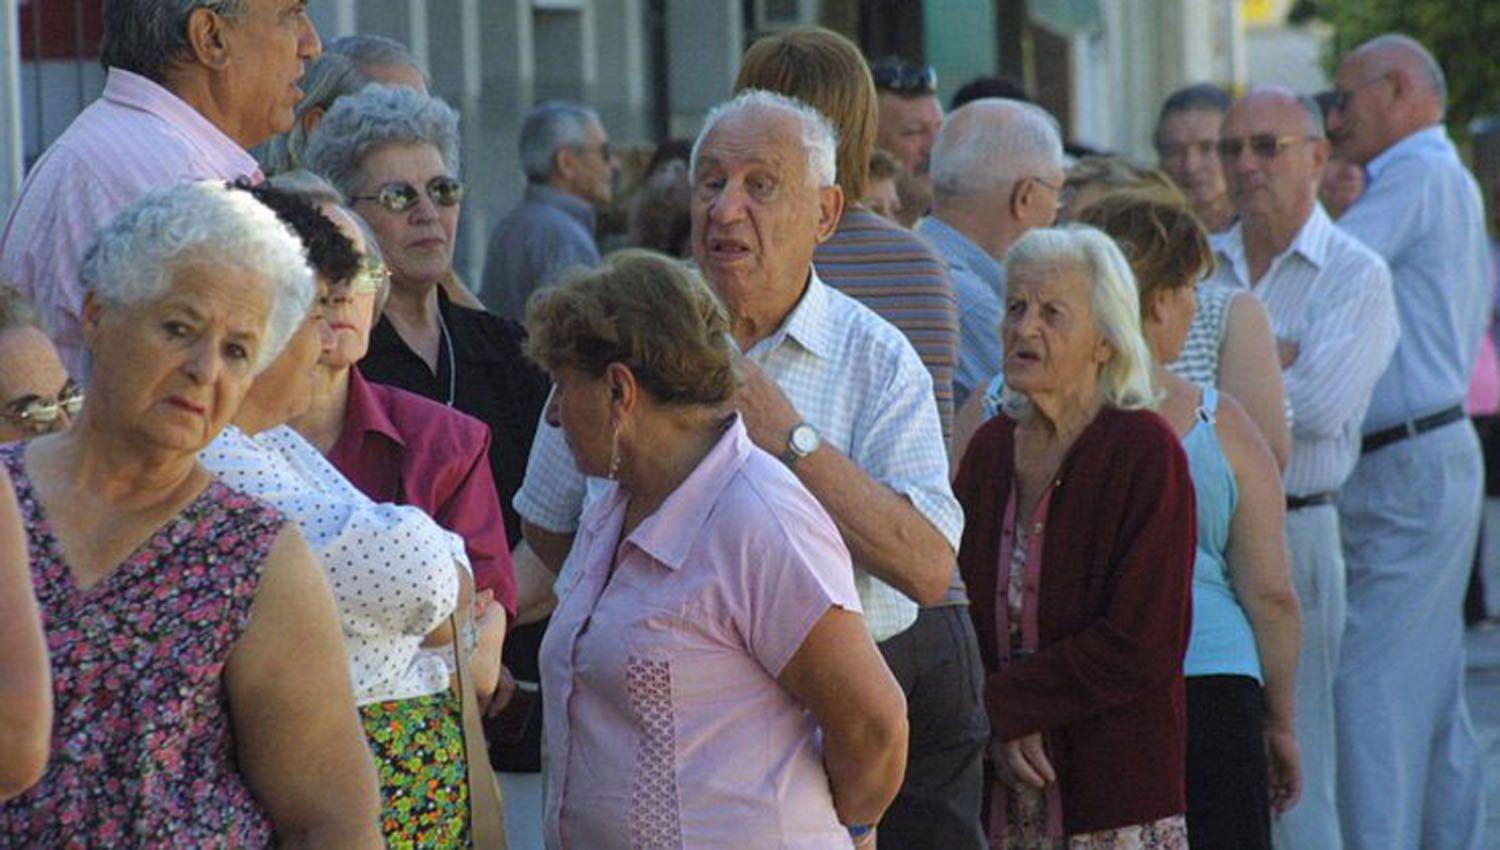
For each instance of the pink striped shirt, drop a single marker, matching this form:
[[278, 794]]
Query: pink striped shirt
[[135, 137]]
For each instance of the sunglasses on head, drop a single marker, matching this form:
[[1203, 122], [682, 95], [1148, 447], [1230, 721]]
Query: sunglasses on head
[[400, 196], [1265, 146], [40, 415], [894, 75]]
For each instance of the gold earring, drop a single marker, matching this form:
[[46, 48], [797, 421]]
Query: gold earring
[[614, 453]]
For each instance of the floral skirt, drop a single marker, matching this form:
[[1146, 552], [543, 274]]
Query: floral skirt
[[1026, 829], [424, 783]]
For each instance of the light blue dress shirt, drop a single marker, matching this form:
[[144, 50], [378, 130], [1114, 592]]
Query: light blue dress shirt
[[1422, 213], [979, 284]]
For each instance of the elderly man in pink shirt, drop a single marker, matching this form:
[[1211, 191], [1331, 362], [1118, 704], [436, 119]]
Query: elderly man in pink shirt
[[192, 84]]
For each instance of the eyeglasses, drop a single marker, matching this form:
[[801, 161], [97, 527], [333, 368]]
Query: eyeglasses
[[1175, 152], [1265, 146], [602, 148], [1062, 190], [40, 415], [370, 278], [400, 196], [1338, 98], [900, 77]]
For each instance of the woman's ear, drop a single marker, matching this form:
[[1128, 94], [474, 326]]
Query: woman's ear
[[624, 391]]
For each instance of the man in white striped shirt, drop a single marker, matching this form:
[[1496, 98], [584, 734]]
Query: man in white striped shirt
[[1334, 317]]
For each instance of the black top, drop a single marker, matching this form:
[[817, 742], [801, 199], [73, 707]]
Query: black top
[[495, 383]]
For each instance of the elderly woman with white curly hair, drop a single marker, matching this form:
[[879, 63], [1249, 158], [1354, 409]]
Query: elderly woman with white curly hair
[[1078, 556], [200, 691], [393, 153]]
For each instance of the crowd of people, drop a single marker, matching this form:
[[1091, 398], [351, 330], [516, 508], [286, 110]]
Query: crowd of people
[[912, 480]]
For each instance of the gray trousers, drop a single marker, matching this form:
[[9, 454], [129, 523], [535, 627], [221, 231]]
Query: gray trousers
[[1312, 536], [1409, 768]]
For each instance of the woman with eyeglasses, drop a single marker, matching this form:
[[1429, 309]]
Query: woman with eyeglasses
[[36, 394], [397, 446], [393, 153]]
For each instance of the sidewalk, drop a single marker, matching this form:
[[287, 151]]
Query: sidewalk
[[1484, 708]]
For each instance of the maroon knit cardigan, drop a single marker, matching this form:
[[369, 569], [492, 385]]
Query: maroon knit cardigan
[[1105, 685]]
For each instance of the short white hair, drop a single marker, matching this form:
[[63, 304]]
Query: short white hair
[[991, 143], [135, 258], [1126, 379], [375, 116], [818, 138]]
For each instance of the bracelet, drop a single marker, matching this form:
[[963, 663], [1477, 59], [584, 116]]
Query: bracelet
[[862, 834]]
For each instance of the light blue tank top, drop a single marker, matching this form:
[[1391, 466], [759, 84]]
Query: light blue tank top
[[1222, 643]]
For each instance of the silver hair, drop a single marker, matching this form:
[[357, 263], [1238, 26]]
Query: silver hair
[[818, 137], [1125, 380], [134, 259], [146, 36], [991, 143], [343, 69], [375, 116], [1406, 44], [548, 128]]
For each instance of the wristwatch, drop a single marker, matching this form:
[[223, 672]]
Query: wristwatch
[[802, 441]]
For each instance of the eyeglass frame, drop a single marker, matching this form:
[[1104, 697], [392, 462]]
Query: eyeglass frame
[[1063, 191], [1338, 99], [415, 196], [904, 78], [371, 276], [39, 415], [1265, 147]]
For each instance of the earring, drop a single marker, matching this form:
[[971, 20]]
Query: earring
[[614, 453]]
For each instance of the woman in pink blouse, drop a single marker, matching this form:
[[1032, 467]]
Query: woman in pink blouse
[[714, 682]]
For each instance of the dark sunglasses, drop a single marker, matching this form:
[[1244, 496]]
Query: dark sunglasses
[[1265, 146], [400, 196], [40, 415], [894, 75]]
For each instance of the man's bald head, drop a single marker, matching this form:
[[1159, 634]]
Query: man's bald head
[[1387, 89], [1273, 151]]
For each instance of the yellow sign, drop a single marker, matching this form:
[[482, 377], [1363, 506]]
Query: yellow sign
[[1261, 11]]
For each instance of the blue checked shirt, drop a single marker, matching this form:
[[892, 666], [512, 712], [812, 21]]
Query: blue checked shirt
[[857, 380]]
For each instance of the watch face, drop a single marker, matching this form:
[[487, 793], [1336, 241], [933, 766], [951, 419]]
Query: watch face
[[804, 440]]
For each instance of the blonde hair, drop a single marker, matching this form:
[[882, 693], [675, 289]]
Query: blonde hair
[[1125, 380], [648, 311]]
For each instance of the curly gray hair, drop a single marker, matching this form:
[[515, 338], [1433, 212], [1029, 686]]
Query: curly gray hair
[[818, 137], [134, 258], [379, 115], [146, 36]]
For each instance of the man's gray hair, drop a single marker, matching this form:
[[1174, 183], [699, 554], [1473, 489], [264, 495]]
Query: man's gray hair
[[146, 36], [818, 137], [135, 258], [343, 69], [991, 143], [1125, 380], [548, 128], [375, 116], [1403, 43]]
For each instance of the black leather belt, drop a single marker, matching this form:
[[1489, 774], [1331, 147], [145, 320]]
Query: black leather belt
[[1297, 503], [1410, 428]]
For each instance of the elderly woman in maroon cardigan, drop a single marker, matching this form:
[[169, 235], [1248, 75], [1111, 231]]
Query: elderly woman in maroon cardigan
[[1078, 556]]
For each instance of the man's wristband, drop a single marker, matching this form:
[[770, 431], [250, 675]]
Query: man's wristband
[[861, 833]]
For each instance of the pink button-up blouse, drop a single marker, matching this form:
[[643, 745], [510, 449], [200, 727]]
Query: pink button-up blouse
[[665, 723]]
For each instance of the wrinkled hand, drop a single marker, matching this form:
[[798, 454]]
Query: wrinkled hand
[[1287, 351], [484, 664], [1023, 762], [769, 415], [1284, 766]]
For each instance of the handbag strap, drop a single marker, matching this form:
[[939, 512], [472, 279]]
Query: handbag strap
[[486, 808]]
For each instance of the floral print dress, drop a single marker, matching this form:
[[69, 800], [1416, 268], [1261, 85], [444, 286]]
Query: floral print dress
[[142, 748]]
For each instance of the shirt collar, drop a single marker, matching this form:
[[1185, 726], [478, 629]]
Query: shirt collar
[[669, 533], [1311, 243], [133, 91], [574, 207], [811, 323], [1431, 137], [364, 414], [959, 249]]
